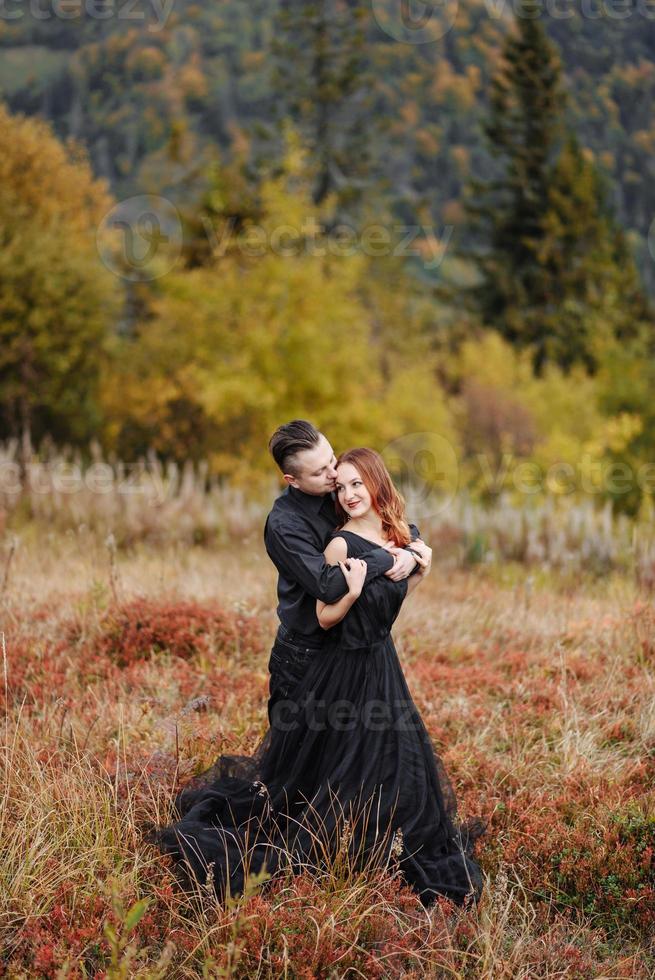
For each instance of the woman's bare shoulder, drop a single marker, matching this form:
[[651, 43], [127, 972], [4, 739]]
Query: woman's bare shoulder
[[336, 550]]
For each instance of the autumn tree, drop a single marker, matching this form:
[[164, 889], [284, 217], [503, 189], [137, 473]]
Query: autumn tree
[[273, 328], [57, 300]]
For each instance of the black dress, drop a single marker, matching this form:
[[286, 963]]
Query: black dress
[[348, 745]]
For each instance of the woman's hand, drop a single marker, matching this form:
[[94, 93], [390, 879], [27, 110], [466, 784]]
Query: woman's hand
[[423, 556], [354, 571]]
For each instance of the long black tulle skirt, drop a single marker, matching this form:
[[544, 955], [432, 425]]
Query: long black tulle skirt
[[345, 768]]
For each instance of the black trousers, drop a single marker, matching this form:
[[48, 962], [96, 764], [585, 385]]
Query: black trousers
[[290, 656]]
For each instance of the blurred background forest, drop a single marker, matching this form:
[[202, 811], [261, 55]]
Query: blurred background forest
[[217, 217]]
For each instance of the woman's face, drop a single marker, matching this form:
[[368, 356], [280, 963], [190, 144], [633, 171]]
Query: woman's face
[[351, 492]]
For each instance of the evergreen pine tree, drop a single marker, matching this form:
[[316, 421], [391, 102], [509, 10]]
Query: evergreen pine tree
[[556, 272], [324, 86]]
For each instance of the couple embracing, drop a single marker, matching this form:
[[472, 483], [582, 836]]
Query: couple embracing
[[346, 760]]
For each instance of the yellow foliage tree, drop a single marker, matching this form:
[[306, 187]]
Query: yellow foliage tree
[[572, 442], [279, 327], [57, 301]]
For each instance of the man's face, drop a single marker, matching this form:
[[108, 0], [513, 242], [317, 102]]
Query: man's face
[[317, 471]]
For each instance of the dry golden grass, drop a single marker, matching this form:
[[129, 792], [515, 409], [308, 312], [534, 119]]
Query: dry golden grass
[[539, 695]]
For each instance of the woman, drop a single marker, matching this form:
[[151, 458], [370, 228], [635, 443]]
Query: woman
[[347, 765]]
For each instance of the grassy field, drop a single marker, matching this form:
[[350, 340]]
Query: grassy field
[[539, 694]]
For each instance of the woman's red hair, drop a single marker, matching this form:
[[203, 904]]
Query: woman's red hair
[[385, 499]]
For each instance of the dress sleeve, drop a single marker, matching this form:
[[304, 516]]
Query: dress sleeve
[[378, 560], [297, 558], [414, 531]]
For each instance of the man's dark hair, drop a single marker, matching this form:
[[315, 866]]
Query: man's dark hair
[[290, 439]]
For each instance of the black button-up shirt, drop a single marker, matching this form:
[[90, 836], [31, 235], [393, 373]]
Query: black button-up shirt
[[296, 534]]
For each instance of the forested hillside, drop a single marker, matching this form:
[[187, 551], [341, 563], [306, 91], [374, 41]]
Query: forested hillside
[[149, 84], [492, 186]]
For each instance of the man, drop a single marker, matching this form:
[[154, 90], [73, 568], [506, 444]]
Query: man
[[296, 533]]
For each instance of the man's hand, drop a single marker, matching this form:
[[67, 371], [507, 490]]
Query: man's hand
[[425, 556], [403, 566]]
